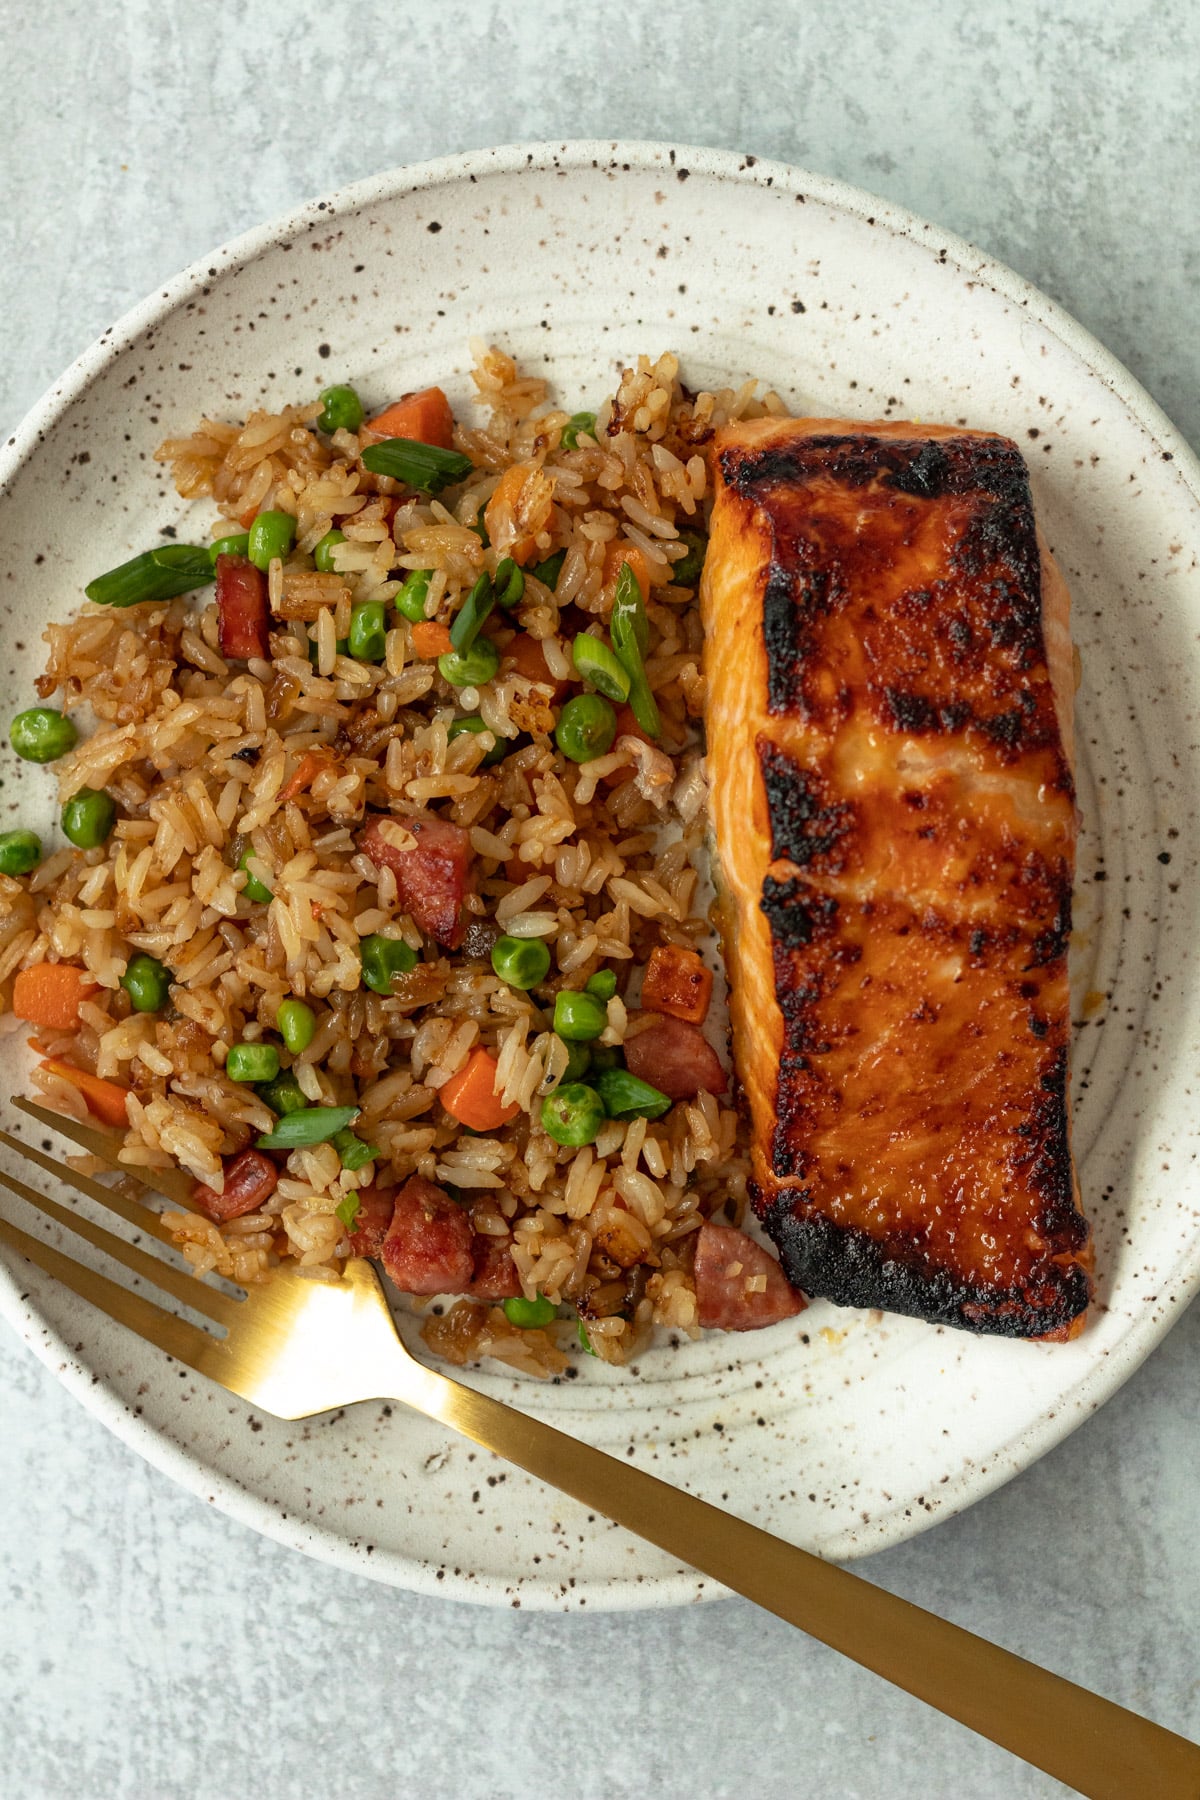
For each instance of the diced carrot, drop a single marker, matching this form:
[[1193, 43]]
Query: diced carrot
[[105, 1099], [425, 416], [519, 508], [50, 994], [471, 1097], [677, 982], [620, 551], [429, 638], [305, 773], [528, 658], [247, 518]]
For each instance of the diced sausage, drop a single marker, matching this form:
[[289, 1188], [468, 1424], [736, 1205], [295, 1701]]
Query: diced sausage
[[495, 1276], [372, 1220], [243, 617], [678, 983], [250, 1178], [676, 1058], [727, 1261], [432, 878], [428, 1249]]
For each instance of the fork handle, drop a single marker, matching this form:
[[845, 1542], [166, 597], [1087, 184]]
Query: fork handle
[[1093, 1745]]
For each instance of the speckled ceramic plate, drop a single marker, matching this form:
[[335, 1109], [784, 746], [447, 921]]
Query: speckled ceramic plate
[[843, 1431]]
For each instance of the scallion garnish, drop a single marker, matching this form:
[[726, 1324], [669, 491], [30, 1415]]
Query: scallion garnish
[[347, 1210], [630, 632], [424, 466], [353, 1152], [627, 1096], [470, 617], [154, 575], [310, 1125], [601, 666]]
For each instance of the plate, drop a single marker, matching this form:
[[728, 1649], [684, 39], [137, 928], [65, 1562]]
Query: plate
[[842, 1431]]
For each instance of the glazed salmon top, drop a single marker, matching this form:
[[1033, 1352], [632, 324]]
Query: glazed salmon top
[[889, 698]]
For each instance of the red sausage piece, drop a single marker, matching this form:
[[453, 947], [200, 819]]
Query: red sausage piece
[[243, 617], [249, 1180], [676, 1058], [432, 878], [428, 1249], [726, 1261]]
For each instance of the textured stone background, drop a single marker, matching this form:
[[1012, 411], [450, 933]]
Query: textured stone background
[[148, 1648]]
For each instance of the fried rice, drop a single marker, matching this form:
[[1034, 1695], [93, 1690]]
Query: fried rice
[[276, 760]]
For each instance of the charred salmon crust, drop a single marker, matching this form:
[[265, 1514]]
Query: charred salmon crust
[[890, 738]]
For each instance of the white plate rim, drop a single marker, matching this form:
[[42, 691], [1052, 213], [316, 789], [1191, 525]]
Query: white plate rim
[[1106, 1375]]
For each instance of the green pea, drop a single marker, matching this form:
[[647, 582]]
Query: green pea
[[237, 545], [522, 962], [341, 647], [471, 668], [342, 410], [272, 534], [586, 728], [578, 1017], [686, 572], [254, 889], [579, 1060], [529, 1315], [603, 984], [368, 632], [20, 851], [352, 1150], [499, 749], [284, 1094], [600, 664], [323, 553], [88, 818], [626, 1096], [573, 1114], [41, 734], [252, 1062], [549, 571], [580, 421], [410, 601], [296, 1024], [604, 1056], [311, 1125], [382, 959], [147, 982]]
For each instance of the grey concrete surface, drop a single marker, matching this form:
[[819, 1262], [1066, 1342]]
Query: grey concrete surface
[[151, 1650]]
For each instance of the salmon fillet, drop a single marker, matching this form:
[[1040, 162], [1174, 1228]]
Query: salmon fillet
[[889, 700]]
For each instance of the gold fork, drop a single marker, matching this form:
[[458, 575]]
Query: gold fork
[[297, 1347]]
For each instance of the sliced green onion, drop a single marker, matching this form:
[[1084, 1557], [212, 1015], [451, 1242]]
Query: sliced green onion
[[630, 633], [549, 571], [596, 663], [626, 1096], [471, 615], [347, 1210], [585, 1342], [154, 575], [353, 1152], [470, 668], [410, 601], [417, 465], [481, 531], [310, 1125], [580, 421], [579, 1060], [509, 583], [529, 1315]]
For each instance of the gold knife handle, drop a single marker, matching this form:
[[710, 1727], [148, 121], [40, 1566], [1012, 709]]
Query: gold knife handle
[[1093, 1745]]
